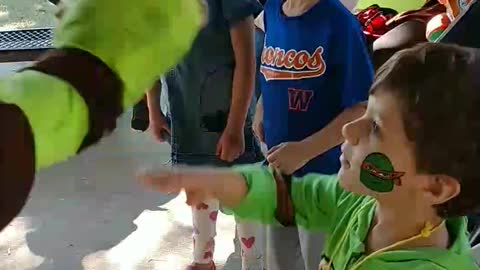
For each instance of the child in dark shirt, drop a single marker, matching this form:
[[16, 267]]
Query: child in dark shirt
[[210, 94]]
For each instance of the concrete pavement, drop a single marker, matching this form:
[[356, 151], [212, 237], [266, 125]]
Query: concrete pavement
[[89, 213], [19, 14]]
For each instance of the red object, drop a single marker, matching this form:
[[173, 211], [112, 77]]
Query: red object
[[248, 243], [374, 21], [208, 255], [213, 215]]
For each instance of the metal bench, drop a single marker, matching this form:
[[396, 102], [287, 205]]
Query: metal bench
[[24, 45]]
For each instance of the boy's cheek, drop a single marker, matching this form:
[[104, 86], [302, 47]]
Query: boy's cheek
[[349, 177], [370, 171]]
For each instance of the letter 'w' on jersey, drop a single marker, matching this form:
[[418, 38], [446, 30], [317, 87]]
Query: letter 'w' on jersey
[[299, 100]]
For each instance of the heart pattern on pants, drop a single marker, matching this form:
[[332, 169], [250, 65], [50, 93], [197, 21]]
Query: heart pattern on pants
[[213, 215], [208, 255], [248, 242]]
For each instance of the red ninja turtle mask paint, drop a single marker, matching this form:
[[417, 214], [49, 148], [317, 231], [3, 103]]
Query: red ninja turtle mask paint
[[377, 173]]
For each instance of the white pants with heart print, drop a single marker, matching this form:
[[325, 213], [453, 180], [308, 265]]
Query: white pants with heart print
[[204, 231]]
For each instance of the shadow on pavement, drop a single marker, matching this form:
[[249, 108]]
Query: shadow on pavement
[[89, 203]]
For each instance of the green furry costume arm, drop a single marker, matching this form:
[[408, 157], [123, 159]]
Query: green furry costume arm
[[108, 52]]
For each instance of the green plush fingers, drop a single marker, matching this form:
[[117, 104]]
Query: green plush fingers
[[139, 40], [57, 115]]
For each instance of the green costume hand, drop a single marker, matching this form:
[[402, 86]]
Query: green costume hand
[[108, 52]]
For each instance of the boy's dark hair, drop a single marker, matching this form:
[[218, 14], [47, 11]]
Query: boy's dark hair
[[439, 88]]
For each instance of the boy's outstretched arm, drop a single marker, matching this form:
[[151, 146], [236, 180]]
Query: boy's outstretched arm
[[255, 193]]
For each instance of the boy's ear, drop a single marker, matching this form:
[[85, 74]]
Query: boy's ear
[[441, 188]]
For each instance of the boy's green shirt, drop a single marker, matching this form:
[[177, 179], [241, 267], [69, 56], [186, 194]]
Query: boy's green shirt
[[321, 204]]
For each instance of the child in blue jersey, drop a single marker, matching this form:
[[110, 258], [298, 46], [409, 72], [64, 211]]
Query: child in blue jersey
[[209, 95], [316, 69]]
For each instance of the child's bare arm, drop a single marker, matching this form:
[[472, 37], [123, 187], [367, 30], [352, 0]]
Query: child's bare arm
[[242, 37], [158, 124], [153, 99], [331, 135], [291, 156]]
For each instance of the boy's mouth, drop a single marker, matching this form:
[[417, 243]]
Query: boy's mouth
[[343, 147], [344, 162]]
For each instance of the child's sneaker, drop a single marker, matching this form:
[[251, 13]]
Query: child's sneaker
[[195, 266]]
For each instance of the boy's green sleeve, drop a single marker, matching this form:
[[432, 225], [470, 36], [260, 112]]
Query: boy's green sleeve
[[314, 198], [261, 200]]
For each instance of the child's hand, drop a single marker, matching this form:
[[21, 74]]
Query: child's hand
[[287, 157], [199, 184], [231, 144], [195, 185], [158, 127]]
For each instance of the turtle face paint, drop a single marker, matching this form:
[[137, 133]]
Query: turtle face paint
[[377, 173]]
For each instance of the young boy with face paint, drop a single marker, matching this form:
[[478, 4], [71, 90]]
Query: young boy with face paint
[[408, 176]]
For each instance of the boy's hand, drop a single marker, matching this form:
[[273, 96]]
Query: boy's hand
[[197, 187], [158, 127], [199, 184], [287, 157], [231, 144]]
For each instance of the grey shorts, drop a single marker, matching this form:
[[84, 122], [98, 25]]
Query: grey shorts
[[194, 157]]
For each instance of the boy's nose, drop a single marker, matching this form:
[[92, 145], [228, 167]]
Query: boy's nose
[[352, 131]]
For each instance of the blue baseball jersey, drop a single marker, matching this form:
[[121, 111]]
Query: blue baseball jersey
[[313, 66]]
